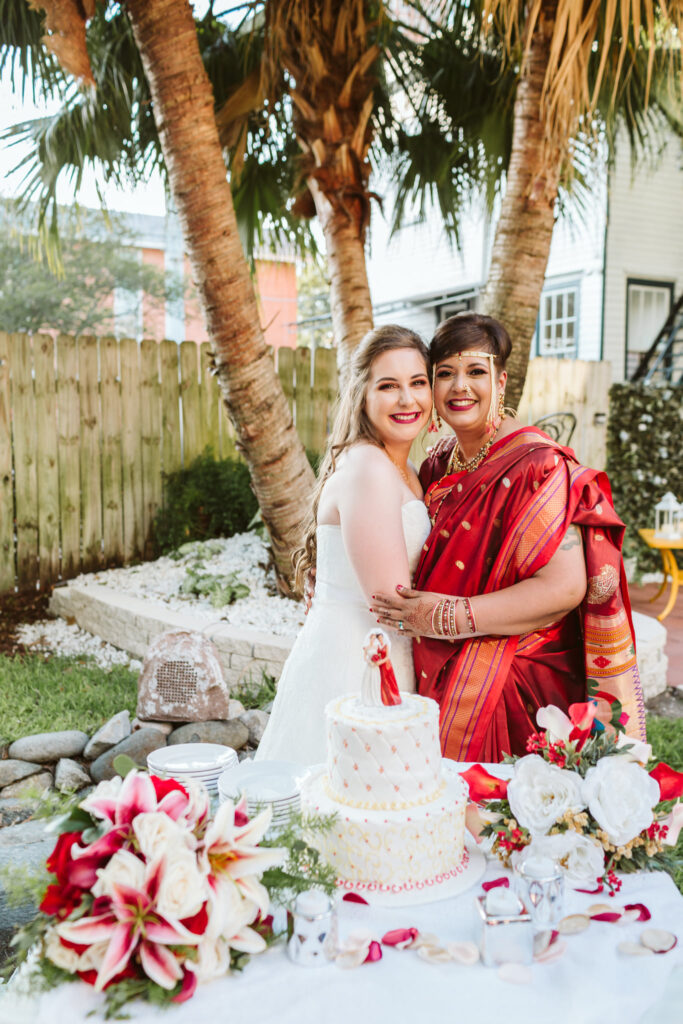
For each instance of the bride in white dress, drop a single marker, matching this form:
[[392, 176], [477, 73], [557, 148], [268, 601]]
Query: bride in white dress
[[366, 531]]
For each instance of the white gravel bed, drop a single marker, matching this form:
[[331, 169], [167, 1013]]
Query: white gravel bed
[[55, 636], [244, 554]]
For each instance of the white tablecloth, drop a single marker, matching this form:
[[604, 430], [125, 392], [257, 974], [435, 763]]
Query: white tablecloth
[[590, 984]]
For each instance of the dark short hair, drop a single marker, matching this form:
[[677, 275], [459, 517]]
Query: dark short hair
[[470, 331]]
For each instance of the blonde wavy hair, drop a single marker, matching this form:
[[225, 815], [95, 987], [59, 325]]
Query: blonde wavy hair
[[352, 425]]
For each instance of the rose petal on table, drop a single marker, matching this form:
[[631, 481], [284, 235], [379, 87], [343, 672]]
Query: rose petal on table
[[434, 954], [643, 913], [495, 883], [355, 950], [629, 917], [599, 908], [553, 951], [573, 924], [401, 938], [658, 940], [634, 949], [592, 892], [543, 941], [465, 953], [374, 952], [611, 917], [353, 897], [516, 974]]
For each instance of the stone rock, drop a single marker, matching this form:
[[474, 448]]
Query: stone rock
[[245, 755], [256, 722], [35, 783], [235, 708], [231, 734], [22, 845], [652, 660], [14, 811], [108, 735], [137, 746], [182, 680], [165, 727], [49, 746], [70, 776], [12, 770]]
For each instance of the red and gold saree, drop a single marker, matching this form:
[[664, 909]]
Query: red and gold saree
[[494, 527]]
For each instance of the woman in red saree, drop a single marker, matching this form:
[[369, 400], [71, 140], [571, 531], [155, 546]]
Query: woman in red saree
[[519, 598]]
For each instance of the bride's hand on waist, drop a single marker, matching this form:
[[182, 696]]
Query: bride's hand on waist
[[408, 612]]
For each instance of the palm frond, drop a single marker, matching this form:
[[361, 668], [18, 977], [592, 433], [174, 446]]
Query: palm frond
[[23, 53]]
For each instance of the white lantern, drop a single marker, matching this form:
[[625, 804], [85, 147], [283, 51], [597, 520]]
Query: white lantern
[[667, 518]]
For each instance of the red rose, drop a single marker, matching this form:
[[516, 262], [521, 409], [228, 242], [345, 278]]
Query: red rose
[[60, 900], [164, 786], [58, 861]]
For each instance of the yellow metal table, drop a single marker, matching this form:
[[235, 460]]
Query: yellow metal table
[[666, 546]]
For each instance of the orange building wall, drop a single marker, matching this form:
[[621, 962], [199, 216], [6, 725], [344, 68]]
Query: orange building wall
[[195, 328], [153, 313], [276, 288]]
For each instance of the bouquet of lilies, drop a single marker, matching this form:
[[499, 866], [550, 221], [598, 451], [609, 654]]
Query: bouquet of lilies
[[583, 797], [149, 894]]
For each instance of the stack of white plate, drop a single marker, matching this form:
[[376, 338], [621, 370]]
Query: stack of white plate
[[265, 783], [196, 762]]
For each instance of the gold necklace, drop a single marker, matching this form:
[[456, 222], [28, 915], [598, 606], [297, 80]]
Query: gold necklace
[[399, 468], [457, 463]]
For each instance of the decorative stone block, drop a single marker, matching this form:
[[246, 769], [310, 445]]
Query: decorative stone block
[[256, 722], [652, 661], [182, 680]]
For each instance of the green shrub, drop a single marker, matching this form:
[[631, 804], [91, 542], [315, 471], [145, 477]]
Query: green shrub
[[210, 498], [644, 442]]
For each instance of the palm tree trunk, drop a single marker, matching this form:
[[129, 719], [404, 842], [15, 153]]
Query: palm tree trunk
[[350, 302], [521, 244], [166, 36]]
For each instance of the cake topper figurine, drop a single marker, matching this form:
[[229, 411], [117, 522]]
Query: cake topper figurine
[[379, 684]]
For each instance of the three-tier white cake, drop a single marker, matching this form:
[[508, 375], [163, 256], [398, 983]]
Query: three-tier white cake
[[400, 806]]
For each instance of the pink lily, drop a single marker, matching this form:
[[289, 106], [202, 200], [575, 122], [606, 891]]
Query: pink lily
[[130, 923], [231, 852], [674, 824], [119, 801]]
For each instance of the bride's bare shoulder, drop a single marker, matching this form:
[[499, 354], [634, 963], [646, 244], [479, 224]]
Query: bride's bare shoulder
[[362, 459]]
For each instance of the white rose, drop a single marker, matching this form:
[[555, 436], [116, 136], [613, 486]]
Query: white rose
[[124, 868], [92, 959], [158, 834], [67, 959], [581, 858], [182, 889], [213, 959], [540, 793], [620, 795]]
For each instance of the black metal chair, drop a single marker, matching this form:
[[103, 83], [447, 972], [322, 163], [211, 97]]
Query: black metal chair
[[558, 425]]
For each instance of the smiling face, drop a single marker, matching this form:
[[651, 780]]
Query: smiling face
[[398, 398], [462, 392]]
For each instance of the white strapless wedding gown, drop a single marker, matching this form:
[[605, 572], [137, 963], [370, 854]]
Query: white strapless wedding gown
[[327, 657]]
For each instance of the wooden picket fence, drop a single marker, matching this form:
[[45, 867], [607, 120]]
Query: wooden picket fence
[[88, 428]]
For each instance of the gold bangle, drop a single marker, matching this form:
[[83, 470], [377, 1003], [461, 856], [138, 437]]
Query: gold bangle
[[468, 614], [435, 609], [453, 624]]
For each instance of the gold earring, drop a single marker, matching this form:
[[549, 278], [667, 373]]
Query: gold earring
[[435, 425], [501, 405]]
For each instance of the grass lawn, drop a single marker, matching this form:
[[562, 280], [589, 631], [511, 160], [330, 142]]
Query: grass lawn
[[39, 695]]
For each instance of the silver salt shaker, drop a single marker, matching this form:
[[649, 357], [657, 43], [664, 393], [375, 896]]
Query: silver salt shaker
[[540, 884], [312, 929], [507, 933]]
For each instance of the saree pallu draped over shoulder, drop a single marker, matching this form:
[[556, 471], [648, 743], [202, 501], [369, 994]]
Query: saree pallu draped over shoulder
[[495, 527]]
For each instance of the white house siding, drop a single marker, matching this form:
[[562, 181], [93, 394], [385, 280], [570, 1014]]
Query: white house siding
[[576, 258], [644, 237]]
